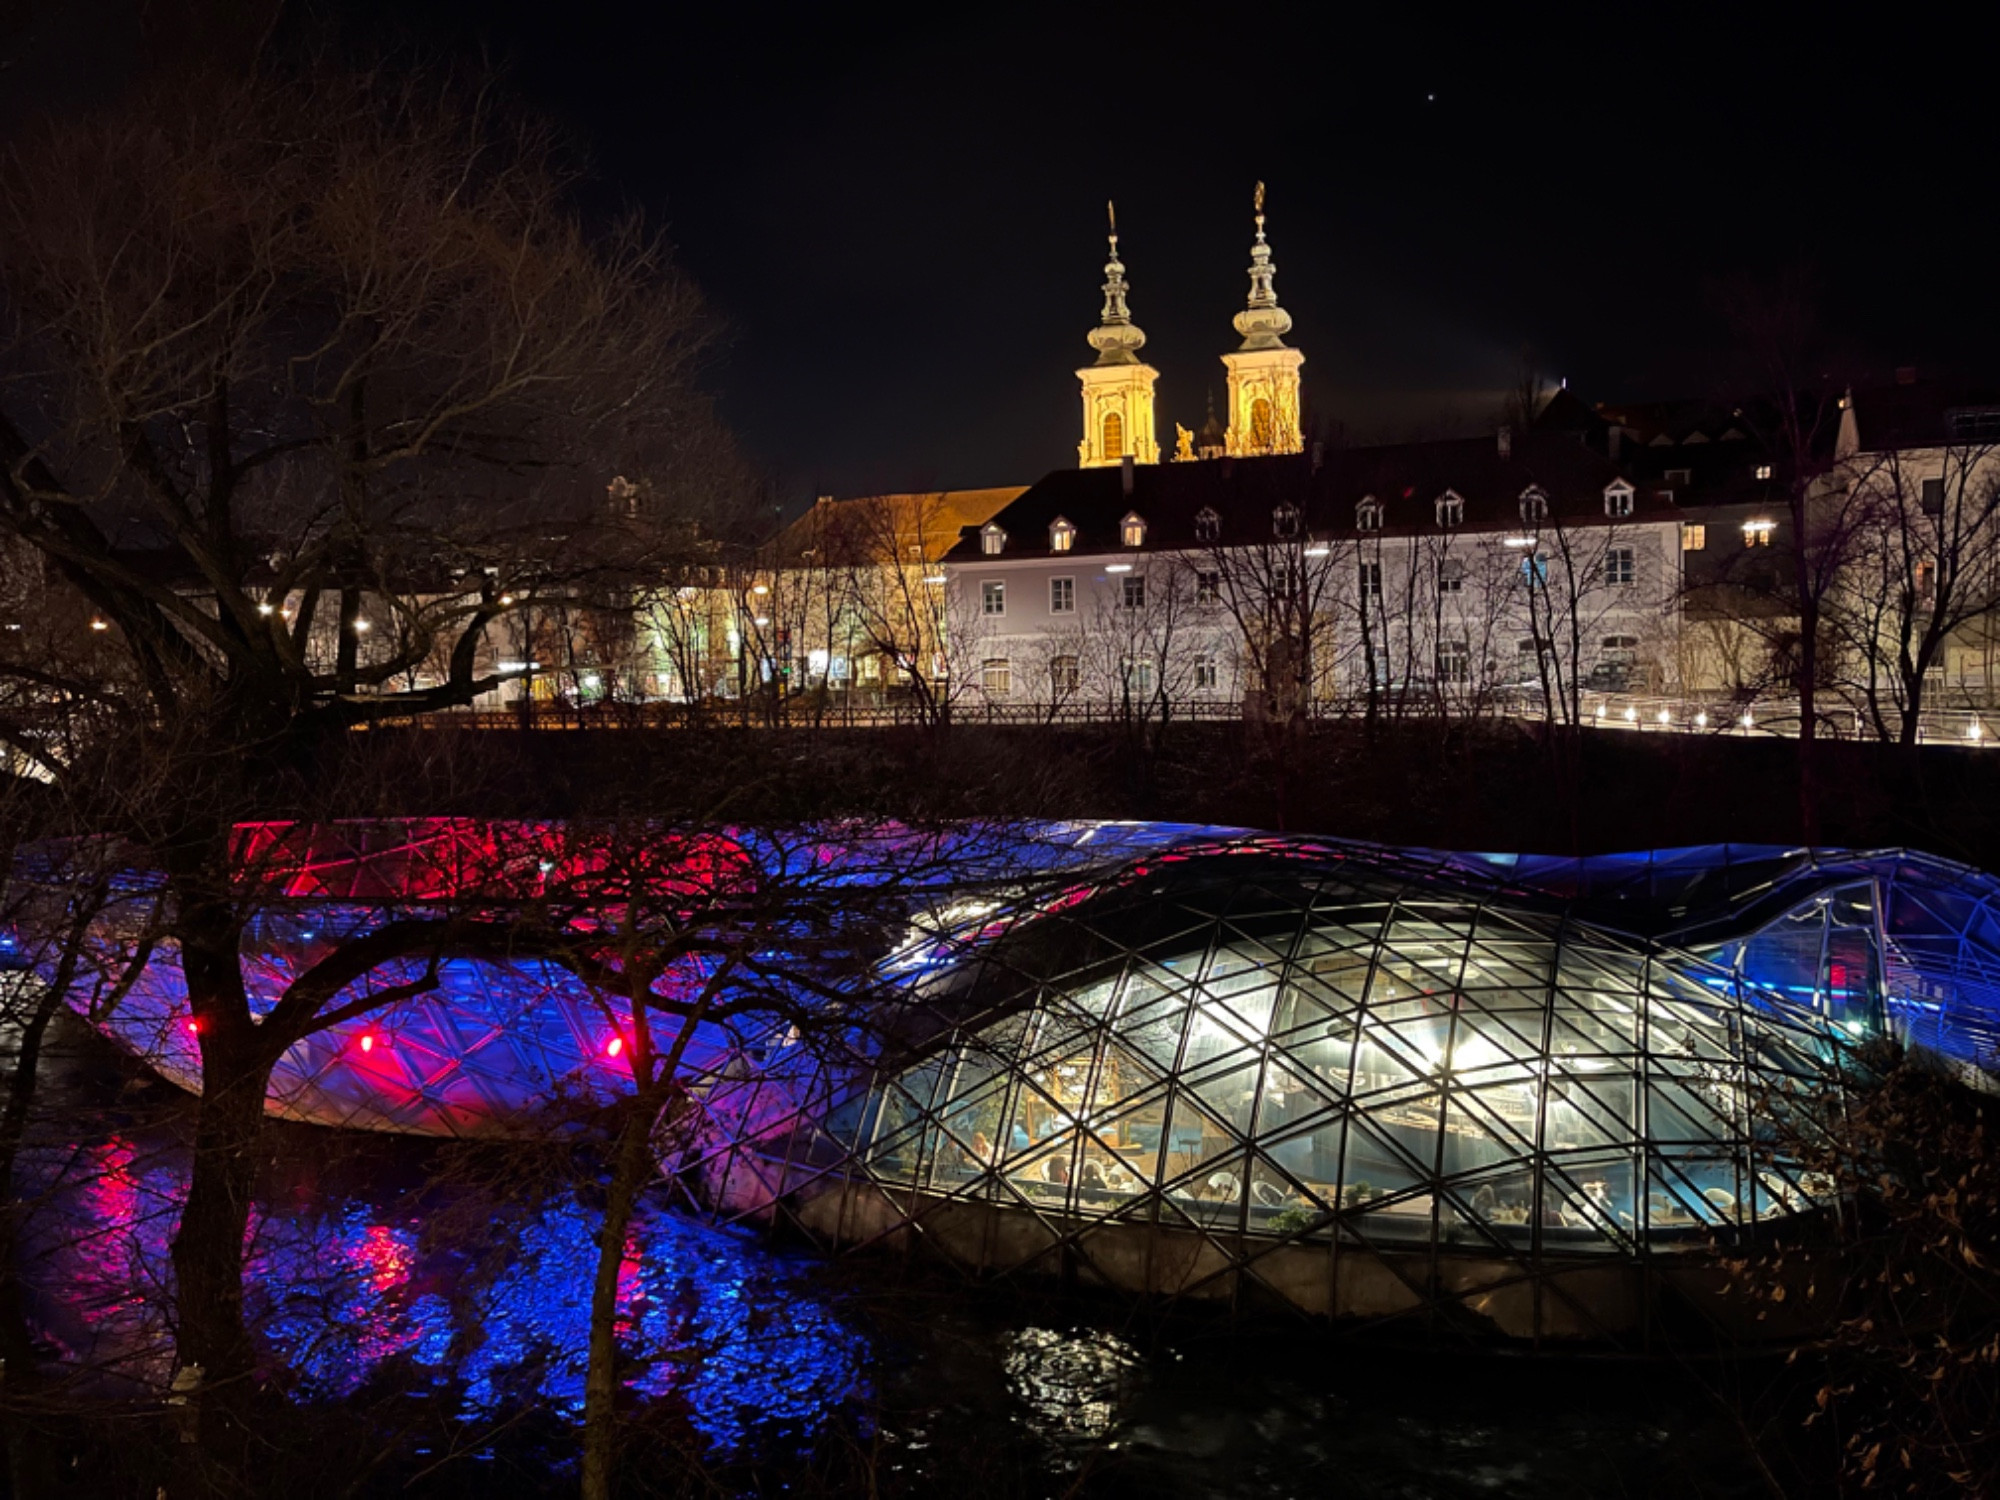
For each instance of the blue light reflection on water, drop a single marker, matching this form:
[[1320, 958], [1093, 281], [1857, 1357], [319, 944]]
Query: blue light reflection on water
[[342, 1292]]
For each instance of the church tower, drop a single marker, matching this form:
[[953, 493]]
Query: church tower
[[1118, 389], [1263, 373]]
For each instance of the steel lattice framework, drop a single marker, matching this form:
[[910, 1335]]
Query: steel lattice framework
[[1358, 1079], [1192, 1061]]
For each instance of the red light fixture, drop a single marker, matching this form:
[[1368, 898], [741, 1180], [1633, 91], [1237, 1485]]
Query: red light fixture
[[367, 1042], [615, 1046]]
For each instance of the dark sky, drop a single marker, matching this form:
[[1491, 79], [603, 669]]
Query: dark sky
[[899, 209]]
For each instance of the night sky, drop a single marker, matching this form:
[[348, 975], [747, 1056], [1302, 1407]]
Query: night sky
[[899, 211]]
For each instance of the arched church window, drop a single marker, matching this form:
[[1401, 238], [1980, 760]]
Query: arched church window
[[1260, 423], [1114, 436]]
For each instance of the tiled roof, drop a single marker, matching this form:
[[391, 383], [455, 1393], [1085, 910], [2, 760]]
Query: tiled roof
[[858, 531], [1407, 479]]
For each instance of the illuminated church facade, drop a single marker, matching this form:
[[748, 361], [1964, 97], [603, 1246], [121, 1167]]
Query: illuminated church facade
[[1253, 571], [1119, 422]]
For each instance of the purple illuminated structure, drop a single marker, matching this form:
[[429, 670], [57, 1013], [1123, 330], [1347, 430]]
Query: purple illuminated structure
[[1185, 1061]]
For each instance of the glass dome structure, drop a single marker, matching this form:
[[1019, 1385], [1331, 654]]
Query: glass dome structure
[[1364, 1081], [1181, 1061]]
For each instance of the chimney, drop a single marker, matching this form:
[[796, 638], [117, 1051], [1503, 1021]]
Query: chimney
[[1906, 375], [1506, 436], [1614, 441], [1125, 476], [1319, 455]]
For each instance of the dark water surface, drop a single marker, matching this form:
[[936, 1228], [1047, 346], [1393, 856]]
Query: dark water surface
[[387, 1275]]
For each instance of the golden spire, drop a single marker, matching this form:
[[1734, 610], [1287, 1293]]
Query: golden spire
[[1116, 338]]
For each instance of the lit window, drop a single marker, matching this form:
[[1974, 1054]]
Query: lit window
[[1451, 509], [1114, 436], [1694, 537], [1132, 530], [996, 675], [1207, 525], [1368, 515], [992, 540], [1451, 576], [1062, 535], [1454, 662], [1620, 566], [1757, 533], [1207, 590], [1285, 520], [1065, 676], [1134, 591], [1535, 571], [1206, 676], [1617, 499], [1371, 580], [992, 598], [1062, 596], [1762, 471], [1534, 504], [1138, 677]]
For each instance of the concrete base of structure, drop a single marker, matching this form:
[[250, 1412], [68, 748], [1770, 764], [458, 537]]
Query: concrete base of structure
[[1567, 1300]]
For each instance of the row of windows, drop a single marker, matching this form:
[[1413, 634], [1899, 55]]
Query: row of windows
[[1454, 658], [1620, 568], [1062, 593], [996, 675], [1454, 665], [1286, 519]]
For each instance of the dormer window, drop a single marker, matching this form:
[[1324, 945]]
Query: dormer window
[[1534, 504], [1062, 535], [992, 539], [1285, 520], [1132, 530], [1618, 499], [1207, 524], [1451, 509], [1368, 515]]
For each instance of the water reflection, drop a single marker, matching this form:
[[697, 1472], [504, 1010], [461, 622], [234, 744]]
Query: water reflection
[[344, 1292], [1073, 1386]]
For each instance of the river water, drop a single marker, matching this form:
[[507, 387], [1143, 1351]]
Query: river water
[[385, 1273]]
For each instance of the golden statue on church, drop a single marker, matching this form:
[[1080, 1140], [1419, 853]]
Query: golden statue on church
[[1183, 445]]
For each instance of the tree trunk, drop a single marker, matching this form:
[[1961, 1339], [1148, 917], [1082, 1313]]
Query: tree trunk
[[30, 1461], [631, 1165], [208, 1245], [1809, 724]]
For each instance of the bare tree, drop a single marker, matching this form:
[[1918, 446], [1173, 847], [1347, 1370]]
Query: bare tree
[[298, 354], [1791, 404], [1924, 568]]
